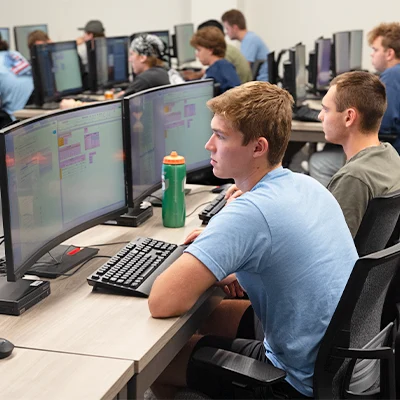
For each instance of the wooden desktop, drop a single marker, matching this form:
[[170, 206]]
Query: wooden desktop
[[117, 330]]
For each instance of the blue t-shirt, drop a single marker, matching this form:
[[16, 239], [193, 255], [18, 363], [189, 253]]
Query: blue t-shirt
[[289, 245], [16, 83], [391, 119], [253, 48], [224, 73]]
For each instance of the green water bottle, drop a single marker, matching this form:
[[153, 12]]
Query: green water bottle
[[173, 186]]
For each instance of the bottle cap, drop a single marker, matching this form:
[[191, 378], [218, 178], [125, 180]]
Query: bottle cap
[[173, 158]]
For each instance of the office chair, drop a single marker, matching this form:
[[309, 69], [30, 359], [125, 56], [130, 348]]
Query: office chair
[[355, 358], [255, 68], [378, 224]]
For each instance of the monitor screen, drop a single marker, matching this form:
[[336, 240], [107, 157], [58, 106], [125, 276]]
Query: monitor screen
[[56, 70], [356, 40], [184, 52], [21, 34], [164, 36], [161, 120], [117, 60], [301, 73], [341, 42], [5, 34], [323, 54], [60, 174]]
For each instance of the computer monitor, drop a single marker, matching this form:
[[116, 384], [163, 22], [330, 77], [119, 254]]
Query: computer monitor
[[294, 79], [21, 34], [164, 37], [323, 49], [160, 120], [5, 34], [183, 51], [356, 42], [272, 68], [60, 174], [341, 53], [56, 71], [108, 62]]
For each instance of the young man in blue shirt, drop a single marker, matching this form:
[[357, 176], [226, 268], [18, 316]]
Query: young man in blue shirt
[[251, 45], [284, 240], [385, 42]]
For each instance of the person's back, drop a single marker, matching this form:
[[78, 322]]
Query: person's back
[[240, 63], [16, 83], [295, 268]]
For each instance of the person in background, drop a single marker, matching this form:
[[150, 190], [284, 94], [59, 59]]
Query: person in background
[[92, 29], [251, 45], [210, 46], [38, 37], [385, 42], [16, 82], [232, 54]]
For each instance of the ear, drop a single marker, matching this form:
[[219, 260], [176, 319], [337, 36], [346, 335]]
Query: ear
[[351, 115], [142, 58], [390, 54], [261, 147]]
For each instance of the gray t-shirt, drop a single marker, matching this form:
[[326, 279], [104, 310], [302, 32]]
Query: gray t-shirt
[[372, 172]]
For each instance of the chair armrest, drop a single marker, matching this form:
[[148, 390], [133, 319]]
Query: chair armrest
[[238, 368]]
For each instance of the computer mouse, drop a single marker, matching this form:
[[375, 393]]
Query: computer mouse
[[6, 348]]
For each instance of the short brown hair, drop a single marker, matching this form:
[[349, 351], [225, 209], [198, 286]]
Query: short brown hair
[[258, 109], [365, 92], [211, 38], [390, 33], [234, 17], [35, 36], [152, 61]]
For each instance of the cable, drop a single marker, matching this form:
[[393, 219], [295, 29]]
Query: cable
[[155, 197], [200, 205], [201, 191]]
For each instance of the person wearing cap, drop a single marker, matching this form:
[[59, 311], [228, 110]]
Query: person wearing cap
[[146, 57], [93, 29]]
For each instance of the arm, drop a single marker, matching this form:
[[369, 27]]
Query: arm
[[178, 288], [353, 196]]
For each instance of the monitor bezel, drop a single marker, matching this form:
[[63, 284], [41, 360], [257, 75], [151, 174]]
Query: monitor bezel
[[14, 274], [176, 51], [17, 46], [127, 133]]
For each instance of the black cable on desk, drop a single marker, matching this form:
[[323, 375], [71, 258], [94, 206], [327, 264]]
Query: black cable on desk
[[200, 205]]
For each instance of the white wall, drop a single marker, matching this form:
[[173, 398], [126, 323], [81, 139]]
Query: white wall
[[281, 23]]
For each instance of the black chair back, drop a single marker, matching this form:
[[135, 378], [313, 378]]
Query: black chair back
[[378, 224]]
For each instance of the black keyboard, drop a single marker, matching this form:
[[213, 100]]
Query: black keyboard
[[214, 207], [134, 268], [307, 114]]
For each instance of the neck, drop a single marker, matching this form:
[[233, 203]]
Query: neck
[[241, 34], [247, 182], [359, 141], [393, 62], [213, 59]]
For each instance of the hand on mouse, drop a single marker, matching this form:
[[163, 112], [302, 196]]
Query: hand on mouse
[[232, 193], [193, 235]]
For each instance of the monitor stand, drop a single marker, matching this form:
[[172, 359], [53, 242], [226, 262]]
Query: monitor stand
[[134, 217], [69, 257]]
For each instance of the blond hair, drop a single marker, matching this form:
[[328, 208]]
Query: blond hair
[[390, 33]]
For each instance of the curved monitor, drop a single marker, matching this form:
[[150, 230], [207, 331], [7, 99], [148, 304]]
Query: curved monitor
[[160, 120], [341, 42], [60, 174], [21, 34], [356, 42]]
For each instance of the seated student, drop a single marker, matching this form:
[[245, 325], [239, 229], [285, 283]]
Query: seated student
[[16, 83], [146, 54], [285, 239], [352, 112], [232, 54], [210, 46], [385, 42], [38, 37]]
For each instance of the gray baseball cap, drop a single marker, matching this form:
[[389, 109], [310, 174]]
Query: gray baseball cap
[[93, 26]]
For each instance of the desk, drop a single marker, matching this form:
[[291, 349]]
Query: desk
[[75, 320], [32, 112], [307, 132]]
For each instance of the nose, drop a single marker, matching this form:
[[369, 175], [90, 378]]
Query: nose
[[321, 115], [210, 146]]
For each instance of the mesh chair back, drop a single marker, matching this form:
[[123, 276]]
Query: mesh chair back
[[378, 223], [355, 323]]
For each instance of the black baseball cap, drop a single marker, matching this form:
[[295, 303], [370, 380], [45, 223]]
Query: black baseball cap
[[93, 26]]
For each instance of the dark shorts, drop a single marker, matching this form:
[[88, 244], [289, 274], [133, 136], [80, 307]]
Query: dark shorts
[[249, 342]]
